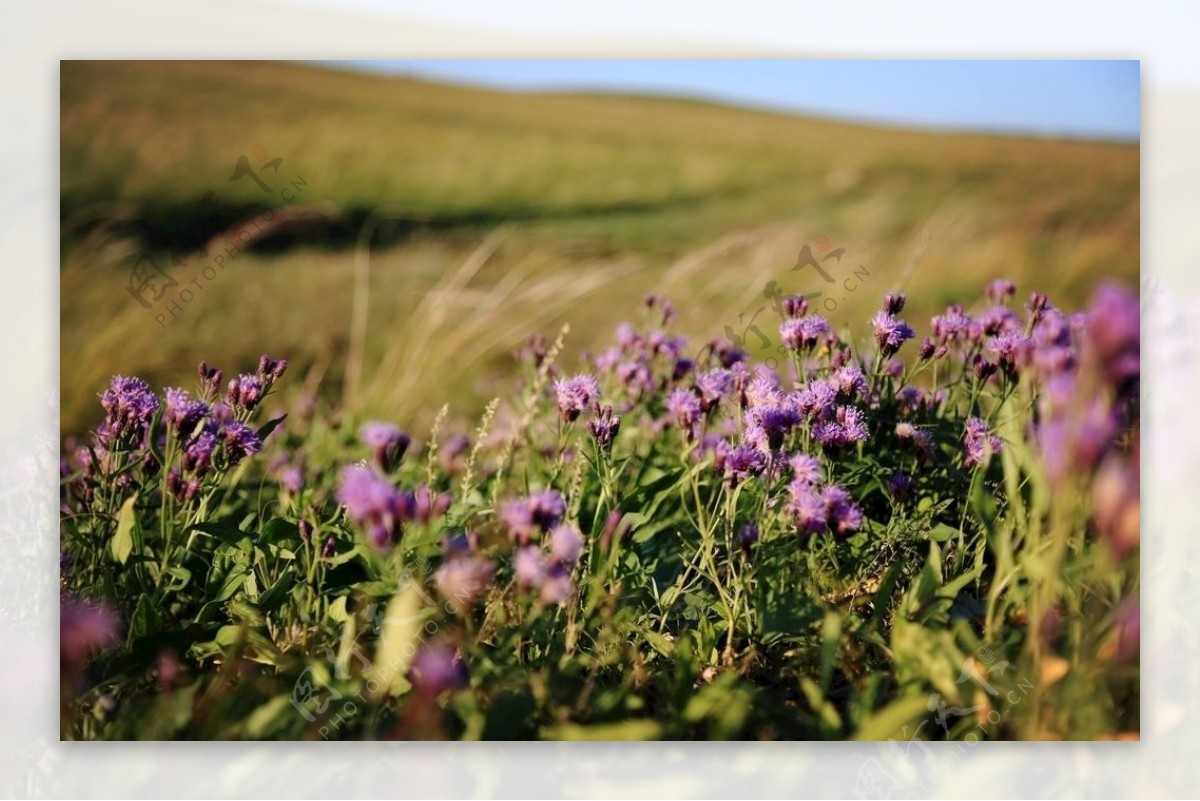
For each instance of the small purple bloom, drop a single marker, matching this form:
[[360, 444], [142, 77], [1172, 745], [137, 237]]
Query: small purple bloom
[[129, 407], [741, 462], [803, 334], [900, 485], [529, 567], [566, 543], [387, 442], [684, 406], [270, 370], [890, 333], [805, 468], [197, 457], [849, 383], [806, 508], [842, 515], [558, 587], [978, 443], [714, 385], [955, 326], [244, 392], [1012, 351], [575, 395], [1114, 332], [767, 427], [437, 668], [747, 536], [372, 503], [604, 426], [183, 413], [463, 579], [1001, 290], [240, 441], [894, 304]]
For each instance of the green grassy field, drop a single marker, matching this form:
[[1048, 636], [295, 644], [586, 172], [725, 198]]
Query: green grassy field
[[495, 215]]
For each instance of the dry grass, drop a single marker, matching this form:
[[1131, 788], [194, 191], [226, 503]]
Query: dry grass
[[536, 209]]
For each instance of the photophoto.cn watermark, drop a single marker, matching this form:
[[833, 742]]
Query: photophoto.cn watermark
[[840, 282], [874, 780], [159, 291]]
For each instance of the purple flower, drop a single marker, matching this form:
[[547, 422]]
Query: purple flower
[[919, 439], [768, 426], [83, 630], [684, 407], [604, 426], [574, 395], [794, 306], [463, 579], [328, 549], [741, 462], [806, 507], [557, 588], [816, 401], [210, 379], [129, 407], [978, 443], [541, 510], [805, 468], [890, 333], [927, 350], [747, 536], [763, 389], [1114, 332], [1012, 351], [714, 385], [804, 333], [1001, 290], [900, 485], [240, 441], [894, 304], [846, 428], [566, 543], [197, 456], [372, 503], [849, 383], [387, 442], [529, 567], [270, 370], [183, 413], [244, 392], [841, 514], [999, 320], [291, 479], [184, 489], [437, 668], [955, 326]]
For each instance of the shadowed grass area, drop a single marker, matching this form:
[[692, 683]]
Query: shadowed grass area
[[502, 214]]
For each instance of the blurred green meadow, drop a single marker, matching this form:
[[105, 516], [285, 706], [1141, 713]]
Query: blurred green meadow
[[467, 219]]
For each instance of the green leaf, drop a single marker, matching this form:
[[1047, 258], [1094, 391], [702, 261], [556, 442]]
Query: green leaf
[[337, 610], [278, 529], [277, 592], [144, 621], [890, 722], [399, 640], [269, 426], [122, 541], [627, 730]]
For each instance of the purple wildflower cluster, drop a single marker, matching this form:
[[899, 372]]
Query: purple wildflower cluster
[[464, 575], [525, 517], [378, 507]]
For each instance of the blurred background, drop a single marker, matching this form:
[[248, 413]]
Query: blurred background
[[396, 229]]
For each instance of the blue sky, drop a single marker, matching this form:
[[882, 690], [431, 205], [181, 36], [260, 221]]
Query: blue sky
[[1055, 98]]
